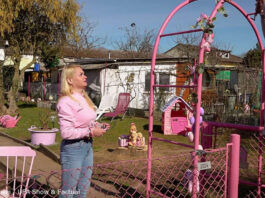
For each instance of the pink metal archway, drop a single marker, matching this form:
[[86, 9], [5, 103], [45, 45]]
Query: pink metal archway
[[232, 189]]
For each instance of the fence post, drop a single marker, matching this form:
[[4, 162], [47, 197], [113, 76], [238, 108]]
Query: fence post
[[207, 135], [234, 166]]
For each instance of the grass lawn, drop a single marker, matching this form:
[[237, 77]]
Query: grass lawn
[[105, 147]]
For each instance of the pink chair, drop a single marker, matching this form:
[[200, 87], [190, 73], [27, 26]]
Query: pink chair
[[18, 162], [121, 108]]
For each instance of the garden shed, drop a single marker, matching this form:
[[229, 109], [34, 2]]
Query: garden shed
[[175, 116]]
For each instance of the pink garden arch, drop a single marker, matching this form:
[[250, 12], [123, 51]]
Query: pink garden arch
[[198, 87]]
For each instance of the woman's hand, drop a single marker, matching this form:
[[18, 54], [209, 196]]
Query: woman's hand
[[95, 132], [105, 126]]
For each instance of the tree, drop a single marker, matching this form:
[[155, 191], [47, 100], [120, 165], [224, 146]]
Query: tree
[[37, 27], [253, 57], [87, 41], [135, 44]]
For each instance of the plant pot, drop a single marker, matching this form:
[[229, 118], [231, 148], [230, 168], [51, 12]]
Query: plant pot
[[40, 136]]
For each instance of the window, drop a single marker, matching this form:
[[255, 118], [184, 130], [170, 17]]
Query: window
[[207, 80], [147, 81], [164, 80], [224, 55]]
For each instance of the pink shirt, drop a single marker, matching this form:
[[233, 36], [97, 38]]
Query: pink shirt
[[75, 117]]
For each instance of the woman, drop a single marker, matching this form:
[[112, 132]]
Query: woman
[[77, 116]]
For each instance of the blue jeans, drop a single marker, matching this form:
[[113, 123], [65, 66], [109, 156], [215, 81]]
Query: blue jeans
[[77, 161]]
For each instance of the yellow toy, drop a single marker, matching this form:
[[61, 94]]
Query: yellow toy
[[136, 139], [133, 135], [140, 139]]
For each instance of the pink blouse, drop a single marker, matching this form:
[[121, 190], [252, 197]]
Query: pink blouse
[[75, 117]]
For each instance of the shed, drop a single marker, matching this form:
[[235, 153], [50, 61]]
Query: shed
[[175, 116]]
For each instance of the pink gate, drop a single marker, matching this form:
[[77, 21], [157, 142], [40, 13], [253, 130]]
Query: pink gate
[[174, 176], [171, 176], [251, 152], [206, 41]]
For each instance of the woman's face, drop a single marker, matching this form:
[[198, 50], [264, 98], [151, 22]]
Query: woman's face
[[78, 81]]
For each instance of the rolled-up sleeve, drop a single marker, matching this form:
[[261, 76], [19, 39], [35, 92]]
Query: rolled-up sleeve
[[67, 121]]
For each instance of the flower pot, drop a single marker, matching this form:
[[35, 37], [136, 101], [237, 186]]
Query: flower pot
[[40, 136]]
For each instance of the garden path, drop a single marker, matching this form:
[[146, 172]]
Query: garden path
[[44, 166], [42, 163]]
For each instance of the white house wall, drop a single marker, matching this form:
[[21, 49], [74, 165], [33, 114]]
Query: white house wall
[[109, 82], [25, 60], [115, 81]]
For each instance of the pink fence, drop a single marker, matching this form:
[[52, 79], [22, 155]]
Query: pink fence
[[252, 155], [171, 177]]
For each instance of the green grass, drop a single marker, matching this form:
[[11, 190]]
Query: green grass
[[107, 142], [30, 116], [105, 147]]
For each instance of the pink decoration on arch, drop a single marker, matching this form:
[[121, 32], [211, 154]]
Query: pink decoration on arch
[[202, 17], [208, 41]]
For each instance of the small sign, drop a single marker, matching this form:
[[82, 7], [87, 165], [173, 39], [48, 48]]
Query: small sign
[[204, 165]]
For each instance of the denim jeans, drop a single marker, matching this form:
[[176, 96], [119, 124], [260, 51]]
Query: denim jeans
[[77, 161]]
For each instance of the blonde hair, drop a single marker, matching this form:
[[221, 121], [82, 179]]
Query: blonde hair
[[68, 72]]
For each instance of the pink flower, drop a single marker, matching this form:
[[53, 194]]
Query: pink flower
[[204, 16], [198, 19]]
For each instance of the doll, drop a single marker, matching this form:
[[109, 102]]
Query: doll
[[140, 139], [133, 135]]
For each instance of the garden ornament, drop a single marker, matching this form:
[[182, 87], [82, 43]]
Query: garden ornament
[[208, 41], [136, 139], [133, 135], [188, 180], [190, 133]]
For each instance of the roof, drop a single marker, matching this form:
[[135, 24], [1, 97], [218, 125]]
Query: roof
[[194, 50], [172, 101], [96, 63]]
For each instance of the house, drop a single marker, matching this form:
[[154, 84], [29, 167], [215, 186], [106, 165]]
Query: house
[[221, 70], [8, 68], [113, 76]]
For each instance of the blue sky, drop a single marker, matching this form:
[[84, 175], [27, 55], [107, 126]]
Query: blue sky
[[233, 32]]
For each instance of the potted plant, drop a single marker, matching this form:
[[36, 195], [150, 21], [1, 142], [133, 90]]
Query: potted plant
[[44, 134]]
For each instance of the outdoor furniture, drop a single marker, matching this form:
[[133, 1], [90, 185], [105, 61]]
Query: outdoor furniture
[[106, 105], [16, 166], [121, 108]]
